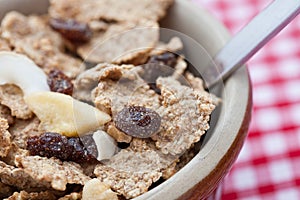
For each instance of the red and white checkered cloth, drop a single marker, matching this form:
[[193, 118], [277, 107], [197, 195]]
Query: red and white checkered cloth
[[269, 164]]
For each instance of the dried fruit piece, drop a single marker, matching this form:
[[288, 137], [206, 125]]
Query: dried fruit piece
[[59, 82], [88, 148], [66, 149], [138, 121], [20, 70], [167, 58], [72, 30], [83, 152], [161, 65], [139, 115], [96, 190], [61, 113]]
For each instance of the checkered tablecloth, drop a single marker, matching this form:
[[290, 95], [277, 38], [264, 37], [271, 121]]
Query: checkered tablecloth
[[269, 164]]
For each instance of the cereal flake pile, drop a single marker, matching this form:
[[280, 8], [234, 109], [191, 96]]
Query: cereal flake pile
[[135, 124]]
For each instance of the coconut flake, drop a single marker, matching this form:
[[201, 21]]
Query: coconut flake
[[106, 145], [19, 70]]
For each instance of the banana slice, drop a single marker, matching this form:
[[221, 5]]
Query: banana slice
[[20, 70], [63, 114]]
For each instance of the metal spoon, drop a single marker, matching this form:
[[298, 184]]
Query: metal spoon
[[250, 39]]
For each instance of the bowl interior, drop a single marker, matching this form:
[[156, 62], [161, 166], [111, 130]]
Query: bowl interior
[[203, 36]]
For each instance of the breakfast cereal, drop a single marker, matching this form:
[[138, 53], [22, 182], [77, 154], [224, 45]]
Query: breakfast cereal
[[109, 10], [5, 138], [113, 112], [4, 46], [12, 97]]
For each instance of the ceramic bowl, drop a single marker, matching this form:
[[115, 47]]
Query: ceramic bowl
[[222, 144]]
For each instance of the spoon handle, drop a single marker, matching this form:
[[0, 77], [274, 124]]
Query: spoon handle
[[250, 39]]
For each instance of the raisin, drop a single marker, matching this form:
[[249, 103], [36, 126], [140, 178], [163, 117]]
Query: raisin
[[138, 121], [158, 66], [59, 82], [66, 149], [89, 144], [72, 30], [48, 145], [139, 115], [80, 153], [167, 58]]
